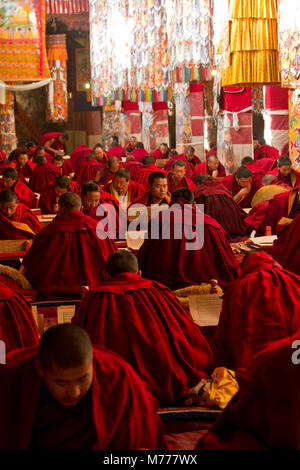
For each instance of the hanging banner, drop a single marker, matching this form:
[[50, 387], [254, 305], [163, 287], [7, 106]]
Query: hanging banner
[[22, 41]]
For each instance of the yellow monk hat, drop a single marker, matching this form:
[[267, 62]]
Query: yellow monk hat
[[267, 192]]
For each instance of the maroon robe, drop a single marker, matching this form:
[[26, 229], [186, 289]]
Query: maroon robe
[[48, 197], [282, 205], [266, 151], [256, 311], [43, 174], [263, 165], [106, 175], [66, 168], [190, 167], [116, 151], [88, 171], [264, 414], [67, 255], [184, 183], [143, 174], [23, 215], [292, 180], [79, 155], [18, 327], [52, 135], [139, 154], [146, 199], [145, 324], [24, 172], [256, 218], [171, 263], [135, 190], [230, 183], [120, 411], [219, 204], [158, 155], [203, 168], [286, 250], [133, 166], [25, 195]]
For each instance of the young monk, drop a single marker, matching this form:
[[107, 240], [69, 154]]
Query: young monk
[[286, 174], [74, 397], [53, 191], [43, 174], [17, 221], [219, 204], [67, 254], [256, 311], [286, 249], [23, 165], [64, 166], [157, 190], [177, 178], [11, 180], [139, 151], [176, 258], [122, 187], [149, 167], [18, 327], [161, 152], [263, 415], [116, 314], [242, 186]]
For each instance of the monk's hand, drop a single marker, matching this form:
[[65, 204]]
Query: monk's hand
[[215, 173], [244, 191], [55, 207]]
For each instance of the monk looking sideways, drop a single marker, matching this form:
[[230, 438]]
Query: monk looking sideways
[[74, 396]]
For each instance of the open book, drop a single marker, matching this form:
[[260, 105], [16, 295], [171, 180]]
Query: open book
[[205, 309]]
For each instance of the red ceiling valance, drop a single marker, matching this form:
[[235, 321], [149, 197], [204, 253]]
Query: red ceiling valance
[[67, 7]]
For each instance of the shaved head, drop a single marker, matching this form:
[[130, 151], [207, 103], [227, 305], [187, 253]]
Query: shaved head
[[122, 261], [69, 202]]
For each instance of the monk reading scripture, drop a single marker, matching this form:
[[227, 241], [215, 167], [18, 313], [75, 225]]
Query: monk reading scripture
[[88, 170], [256, 311], [67, 254], [212, 166], [162, 152], [64, 166], [177, 178], [53, 191], [11, 180], [176, 258], [17, 221], [74, 397], [242, 186], [43, 174], [145, 324], [107, 172], [122, 187], [23, 165]]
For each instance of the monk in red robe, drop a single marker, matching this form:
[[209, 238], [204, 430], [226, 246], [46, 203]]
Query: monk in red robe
[[157, 190], [64, 166], [110, 211], [18, 327], [149, 167], [43, 174], [162, 152], [286, 249], [116, 314], [68, 253], [256, 310], [23, 165], [53, 191], [212, 166], [285, 150], [283, 206], [132, 165], [88, 170], [180, 254], [10, 180], [190, 167], [219, 204], [75, 397], [242, 185], [115, 150], [54, 142], [286, 174], [177, 179], [78, 156], [123, 189], [139, 151], [107, 172], [17, 222], [262, 166], [263, 415], [266, 151]]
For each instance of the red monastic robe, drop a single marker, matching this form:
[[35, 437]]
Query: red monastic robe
[[263, 415], [282, 205], [139, 154], [25, 195], [121, 410], [292, 180], [256, 311], [256, 218], [116, 151], [135, 190], [170, 262], [48, 196], [79, 155], [143, 322], [230, 183], [43, 174], [88, 171], [262, 166], [266, 151], [143, 174], [21, 226], [190, 167], [203, 168], [66, 255], [158, 155], [219, 204], [133, 166], [18, 327], [184, 183], [24, 172], [286, 250]]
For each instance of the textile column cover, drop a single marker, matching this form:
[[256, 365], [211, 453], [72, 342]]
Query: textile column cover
[[115, 122], [197, 119], [8, 140], [235, 134], [182, 98], [294, 131], [252, 43], [57, 108], [160, 123], [148, 130], [210, 127], [276, 116], [133, 118]]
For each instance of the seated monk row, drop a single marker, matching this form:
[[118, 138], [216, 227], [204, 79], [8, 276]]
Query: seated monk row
[[10, 180], [67, 254], [74, 396], [146, 325]]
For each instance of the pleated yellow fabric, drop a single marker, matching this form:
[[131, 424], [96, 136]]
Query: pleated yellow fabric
[[253, 56]]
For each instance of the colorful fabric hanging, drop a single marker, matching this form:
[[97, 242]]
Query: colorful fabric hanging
[[289, 42], [183, 115], [253, 41], [148, 131], [294, 131], [22, 41], [57, 108], [8, 140], [67, 7]]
